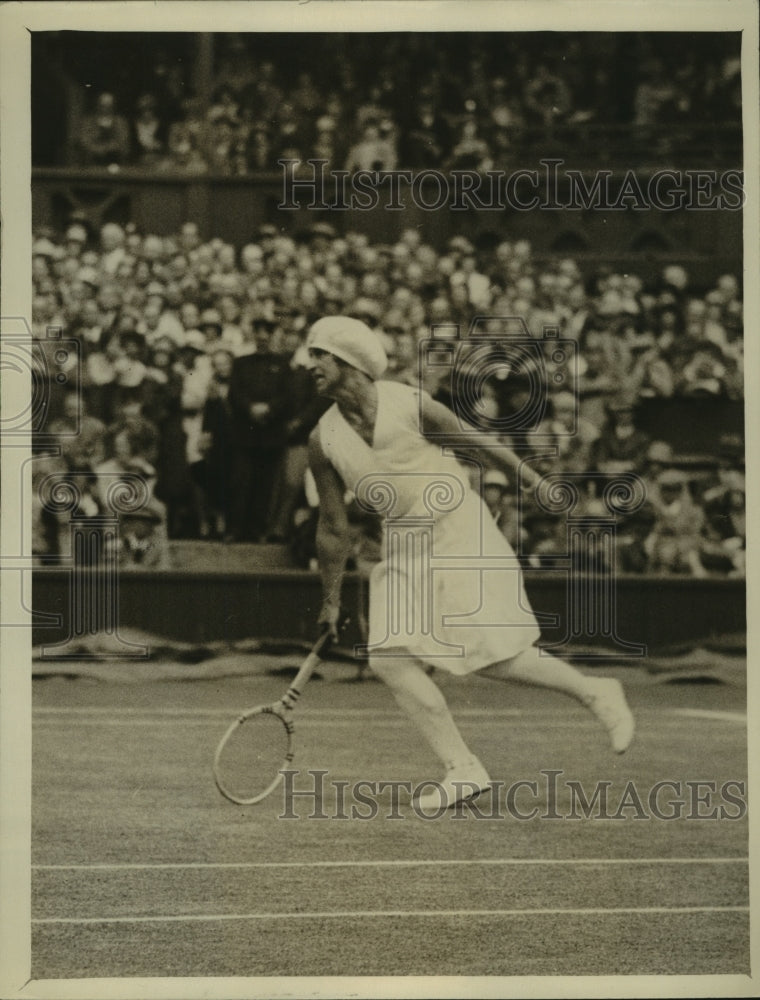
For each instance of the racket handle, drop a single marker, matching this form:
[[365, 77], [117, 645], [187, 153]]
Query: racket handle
[[293, 693]]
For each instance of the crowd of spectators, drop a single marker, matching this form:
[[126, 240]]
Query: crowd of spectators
[[411, 101], [194, 376]]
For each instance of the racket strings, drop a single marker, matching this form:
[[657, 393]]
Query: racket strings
[[251, 756]]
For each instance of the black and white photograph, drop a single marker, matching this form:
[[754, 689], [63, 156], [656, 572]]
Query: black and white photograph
[[378, 435]]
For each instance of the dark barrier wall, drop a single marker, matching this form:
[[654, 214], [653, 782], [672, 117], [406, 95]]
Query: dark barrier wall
[[692, 426], [708, 241], [656, 611]]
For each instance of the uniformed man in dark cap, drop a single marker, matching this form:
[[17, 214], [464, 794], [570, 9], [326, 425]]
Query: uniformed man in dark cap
[[259, 398]]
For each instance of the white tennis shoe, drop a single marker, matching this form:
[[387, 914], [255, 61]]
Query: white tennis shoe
[[607, 702], [460, 783]]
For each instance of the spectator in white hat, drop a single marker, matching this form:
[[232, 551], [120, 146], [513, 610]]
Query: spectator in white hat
[[104, 136]]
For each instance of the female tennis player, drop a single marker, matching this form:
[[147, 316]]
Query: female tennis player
[[372, 433]]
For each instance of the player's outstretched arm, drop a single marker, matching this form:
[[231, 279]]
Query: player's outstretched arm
[[439, 420], [333, 540]]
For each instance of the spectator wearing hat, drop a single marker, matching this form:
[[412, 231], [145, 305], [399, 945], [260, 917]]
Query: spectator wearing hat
[[189, 238], [216, 472], [724, 535], [113, 252], [259, 397], [712, 320], [425, 138], [501, 504], [542, 538], [162, 388], [258, 150], [190, 316], [654, 97], [675, 539], [265, 94], [110, 300], [305, 410], [705, 373], [231, 332], [478, 285], [730, 470], [460, 307], [210, 324], [194, 366], [104, 136], [288, 133], [89, 504], [46, 258], [471, 152], [129, 353], [620, 447], [45, 523], [131, 447], [659, 457], [252, 260], [142, 538], [148, 132], [46, 266], [632, 551], [598, 379], [265, 237], [374, 151], [88, 327], [169, 406], [650, 374], [572, 435], [325, 145], [98, 377], [673, 341], [81, 437], [75, 240], [505, 122], [367, 310], [547, 98], [168, 300], [403, 364], [221, 144], [187, 141], [162, 404]]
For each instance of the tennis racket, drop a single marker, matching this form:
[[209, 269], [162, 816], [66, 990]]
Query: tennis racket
[[259, 743]]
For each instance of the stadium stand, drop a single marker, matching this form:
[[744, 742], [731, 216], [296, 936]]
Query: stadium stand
[[189, 335]]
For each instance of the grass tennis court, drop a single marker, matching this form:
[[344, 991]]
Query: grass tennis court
[[141, 868]]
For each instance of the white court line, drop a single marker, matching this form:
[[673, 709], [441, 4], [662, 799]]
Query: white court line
[[363, 914], [180, 714], [304, 722], [48, 713], [710, 713], [390, 863], [205, 717]]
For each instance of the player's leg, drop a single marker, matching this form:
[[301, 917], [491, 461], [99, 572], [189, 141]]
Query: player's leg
[[421, 698], [603, 696]]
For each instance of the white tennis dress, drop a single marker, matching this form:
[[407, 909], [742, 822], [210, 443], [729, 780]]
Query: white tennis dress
[[449, 588]]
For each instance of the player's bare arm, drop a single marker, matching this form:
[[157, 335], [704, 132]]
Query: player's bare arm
[[332, 533], [439, 420]]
